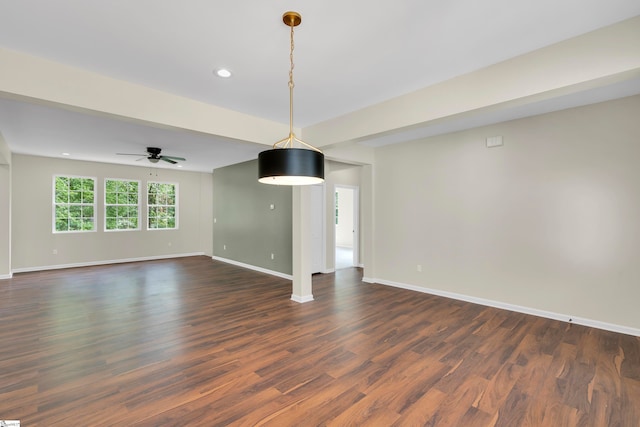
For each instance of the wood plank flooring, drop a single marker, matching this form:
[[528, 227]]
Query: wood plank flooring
[[195, 342]]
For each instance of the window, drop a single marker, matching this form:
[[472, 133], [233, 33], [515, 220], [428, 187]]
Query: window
[[121, 205], [74, 204], [162, 205]]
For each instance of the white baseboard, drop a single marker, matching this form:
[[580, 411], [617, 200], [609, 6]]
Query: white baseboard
[[301, 298], [104, 262], [6, 276], [512, 307], [253, 267]]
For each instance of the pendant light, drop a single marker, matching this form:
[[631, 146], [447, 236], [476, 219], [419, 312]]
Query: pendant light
[[284, 164]]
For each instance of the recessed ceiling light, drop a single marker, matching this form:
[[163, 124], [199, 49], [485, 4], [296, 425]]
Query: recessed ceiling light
[[179, 166], [66, 154], [223, 72]]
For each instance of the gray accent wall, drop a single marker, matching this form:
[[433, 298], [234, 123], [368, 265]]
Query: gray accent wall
[[245, 228]]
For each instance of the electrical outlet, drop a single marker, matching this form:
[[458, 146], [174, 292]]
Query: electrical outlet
[[273, 256], [419, 268], [55, 252], [224, 247]]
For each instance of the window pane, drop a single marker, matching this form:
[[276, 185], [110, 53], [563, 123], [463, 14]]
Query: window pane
[[87, 197], [62, 211], [62, 224], [62, 196], [110, 198], [122, 198], [62, 183], [75, 184], [75, 197]]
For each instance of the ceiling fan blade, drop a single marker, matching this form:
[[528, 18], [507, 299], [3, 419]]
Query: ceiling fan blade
[[168, 160], [130, 154], [173, 158]]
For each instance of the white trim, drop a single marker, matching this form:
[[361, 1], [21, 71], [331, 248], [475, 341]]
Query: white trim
[[512, 307], [301, 299], [253, 267], [105, 262], [328, 271], [6, 276]]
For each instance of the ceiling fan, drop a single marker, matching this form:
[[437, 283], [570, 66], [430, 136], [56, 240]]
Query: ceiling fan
[[154, 156]]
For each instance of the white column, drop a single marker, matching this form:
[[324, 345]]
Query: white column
[[301, 291], [367, 254], [5, 210]]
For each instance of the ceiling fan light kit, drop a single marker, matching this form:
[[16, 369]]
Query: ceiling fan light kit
[[284, 164]]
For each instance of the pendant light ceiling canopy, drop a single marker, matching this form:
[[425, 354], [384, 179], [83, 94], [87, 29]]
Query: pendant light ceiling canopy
[[284, 164]]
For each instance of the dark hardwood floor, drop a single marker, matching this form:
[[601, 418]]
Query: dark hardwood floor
[[195, 342]]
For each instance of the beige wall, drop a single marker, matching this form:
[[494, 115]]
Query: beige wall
[[548, 221], [33, 241]]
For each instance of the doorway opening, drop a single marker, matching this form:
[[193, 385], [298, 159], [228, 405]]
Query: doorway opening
[[346, 226]]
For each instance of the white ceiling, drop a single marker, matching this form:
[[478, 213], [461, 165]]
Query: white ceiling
[[349, 55]]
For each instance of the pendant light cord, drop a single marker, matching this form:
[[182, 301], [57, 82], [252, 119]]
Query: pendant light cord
[[288, 141], [291, 86]]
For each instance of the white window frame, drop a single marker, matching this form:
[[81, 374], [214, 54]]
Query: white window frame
[[175, 205], [55, 204], [117, 205]]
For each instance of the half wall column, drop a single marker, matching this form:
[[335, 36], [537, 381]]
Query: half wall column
[[301, 234]]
